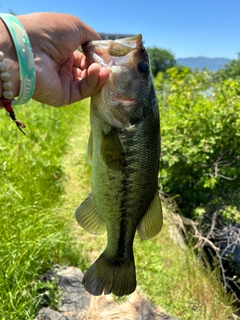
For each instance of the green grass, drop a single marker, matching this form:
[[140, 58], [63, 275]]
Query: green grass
[[34, 235], [44, 176], [172, 277]]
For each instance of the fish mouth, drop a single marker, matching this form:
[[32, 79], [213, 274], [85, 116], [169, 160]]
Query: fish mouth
[[104, 51]]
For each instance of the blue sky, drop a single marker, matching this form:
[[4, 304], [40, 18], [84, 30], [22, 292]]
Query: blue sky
[[209, 28]]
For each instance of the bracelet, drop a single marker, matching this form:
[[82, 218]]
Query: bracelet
[[25, 57], [6, 79], [6, 99]]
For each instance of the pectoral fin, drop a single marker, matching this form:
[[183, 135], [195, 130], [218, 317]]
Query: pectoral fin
[[152, 221], [112, 151], [88, 217]]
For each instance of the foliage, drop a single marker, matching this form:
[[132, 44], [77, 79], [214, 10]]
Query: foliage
[[34, 234], [172, 276], [161, 60], [200, 141], [231, 70]]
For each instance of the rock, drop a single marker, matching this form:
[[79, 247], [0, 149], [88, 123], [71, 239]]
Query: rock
[[136, 307], [78, 304], [48, 314], [74, 298]]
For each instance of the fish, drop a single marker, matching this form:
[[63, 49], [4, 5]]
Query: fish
[[124, 151]]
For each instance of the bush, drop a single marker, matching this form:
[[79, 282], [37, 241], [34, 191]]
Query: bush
[[200, 141]]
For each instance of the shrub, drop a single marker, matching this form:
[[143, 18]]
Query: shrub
[[200, 141]]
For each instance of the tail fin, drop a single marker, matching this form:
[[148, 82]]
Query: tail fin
[[106, 276]]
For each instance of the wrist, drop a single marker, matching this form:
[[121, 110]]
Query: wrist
[[8, 48], [27, 73]]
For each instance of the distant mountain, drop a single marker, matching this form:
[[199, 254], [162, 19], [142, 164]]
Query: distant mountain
[[212, 64]]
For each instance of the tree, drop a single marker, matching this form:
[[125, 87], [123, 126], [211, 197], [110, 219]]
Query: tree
[[160, 59], [231, 70]]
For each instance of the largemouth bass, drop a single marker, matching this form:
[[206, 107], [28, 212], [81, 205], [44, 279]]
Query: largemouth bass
[[124, 149]]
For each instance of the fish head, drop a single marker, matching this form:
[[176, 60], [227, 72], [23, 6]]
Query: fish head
[[124, 99]]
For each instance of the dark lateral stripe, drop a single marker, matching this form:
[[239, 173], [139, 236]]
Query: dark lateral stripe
[[127, 230]]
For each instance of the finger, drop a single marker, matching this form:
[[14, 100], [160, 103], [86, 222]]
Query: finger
[[80, 63], [93, 81], [95, 78], [79, 60]]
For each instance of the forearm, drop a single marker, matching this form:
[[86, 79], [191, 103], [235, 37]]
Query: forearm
[[8, 48]]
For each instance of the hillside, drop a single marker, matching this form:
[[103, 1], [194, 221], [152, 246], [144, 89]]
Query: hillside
[[212, 64]]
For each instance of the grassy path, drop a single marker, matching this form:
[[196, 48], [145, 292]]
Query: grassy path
[[166, 273]]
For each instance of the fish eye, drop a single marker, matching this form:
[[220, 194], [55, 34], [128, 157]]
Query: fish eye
[[143, 67]]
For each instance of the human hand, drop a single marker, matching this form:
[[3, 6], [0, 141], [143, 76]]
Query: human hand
[[63, 74]]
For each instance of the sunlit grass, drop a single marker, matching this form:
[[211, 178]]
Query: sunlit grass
[[173, 278], [34, 235]]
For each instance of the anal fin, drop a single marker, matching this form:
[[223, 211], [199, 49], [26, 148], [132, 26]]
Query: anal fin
[[88, 218], [152, 221]]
